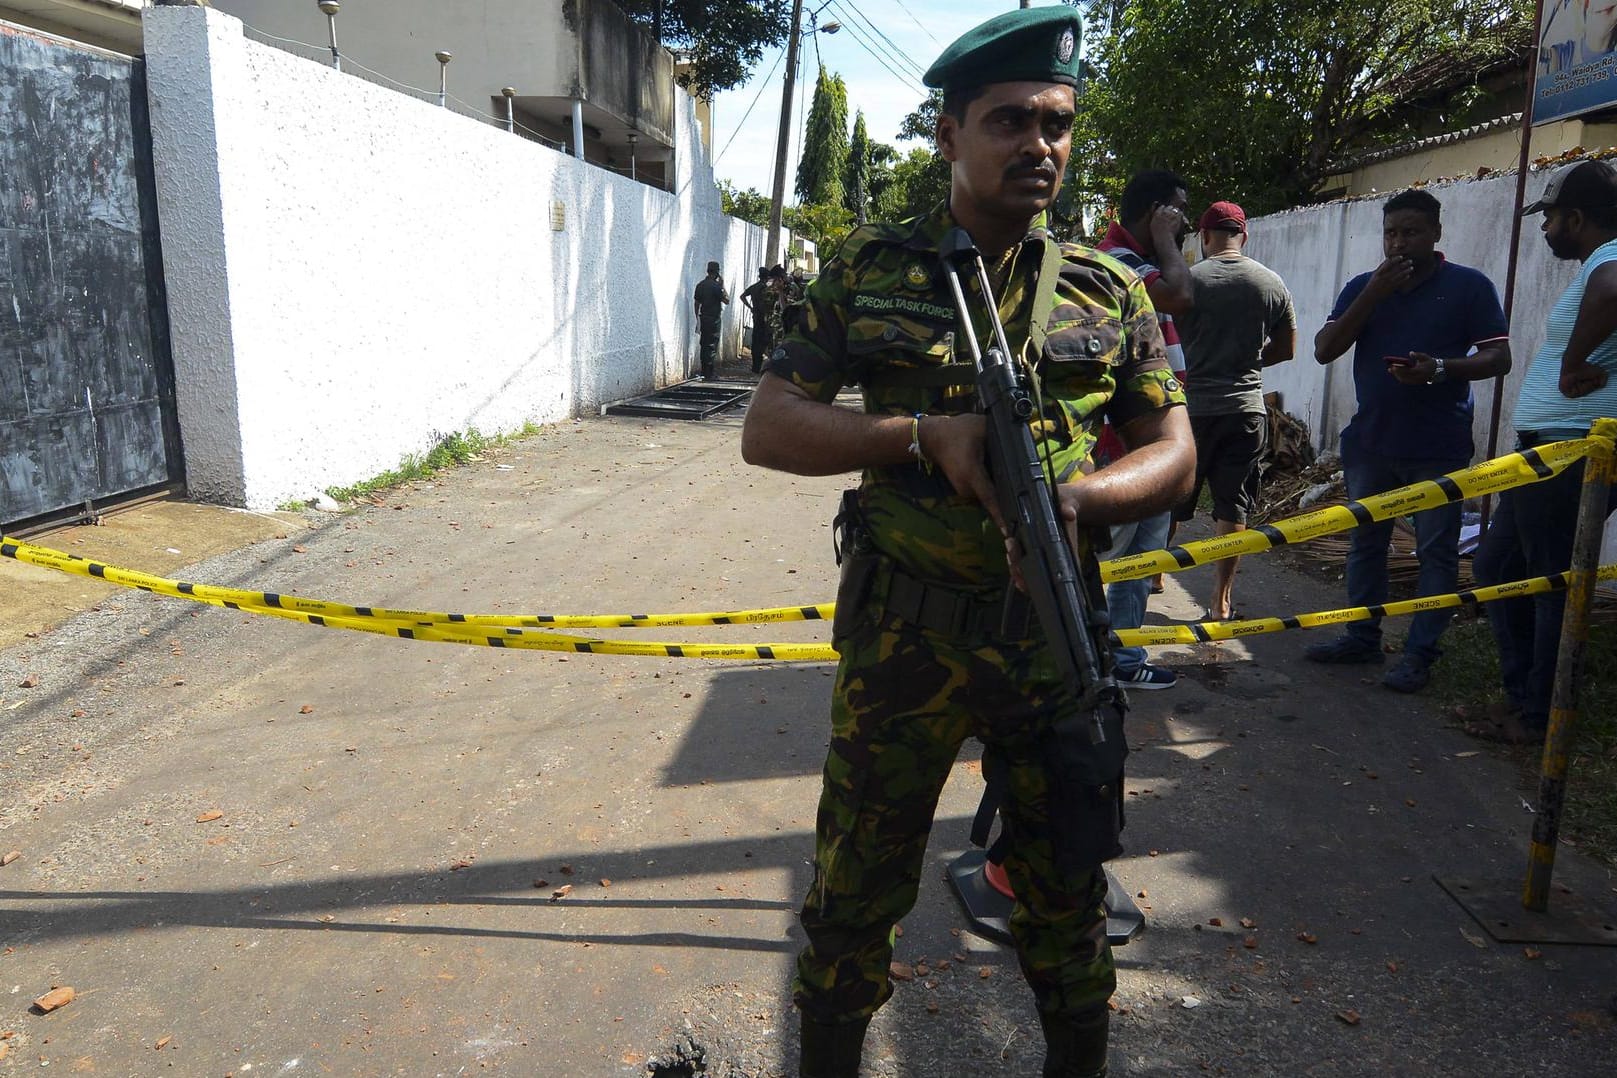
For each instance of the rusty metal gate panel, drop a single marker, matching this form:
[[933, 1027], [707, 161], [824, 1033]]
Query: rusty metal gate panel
[[685, 400], [86, 380]]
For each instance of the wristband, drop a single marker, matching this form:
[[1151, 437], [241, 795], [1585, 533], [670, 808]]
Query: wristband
[[915, 442]]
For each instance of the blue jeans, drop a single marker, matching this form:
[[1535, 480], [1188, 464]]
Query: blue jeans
[[1437, 544], [1530, 535], [1126, 600]]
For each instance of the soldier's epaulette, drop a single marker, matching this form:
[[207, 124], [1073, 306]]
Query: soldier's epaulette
[[1082, 253], [866, 241]]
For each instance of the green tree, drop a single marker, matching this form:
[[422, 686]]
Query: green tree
[[857, 187], [826, 223], [748, 205], [722, 39], [825, 143], [1281, 88]]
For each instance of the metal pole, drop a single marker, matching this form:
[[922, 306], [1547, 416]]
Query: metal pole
[[1598, 474], [578, 129], [777, 200], [330, 8], [443, 76], [634, 139], [1515, 241], [510, 93]]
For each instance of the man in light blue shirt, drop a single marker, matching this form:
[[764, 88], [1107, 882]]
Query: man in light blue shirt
[[1566, 389]]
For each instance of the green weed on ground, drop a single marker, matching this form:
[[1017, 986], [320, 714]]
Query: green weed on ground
[[451, 451], [1467, 679]]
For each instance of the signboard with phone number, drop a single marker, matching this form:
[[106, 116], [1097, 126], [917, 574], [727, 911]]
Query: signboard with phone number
[[1577, 59]]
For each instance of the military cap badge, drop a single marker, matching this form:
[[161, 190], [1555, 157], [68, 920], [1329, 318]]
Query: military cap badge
[[916, 276], [1064, 46]]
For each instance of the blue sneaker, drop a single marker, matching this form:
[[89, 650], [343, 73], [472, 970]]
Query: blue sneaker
[[1344, 650], [1146, 676], [1410, 675]]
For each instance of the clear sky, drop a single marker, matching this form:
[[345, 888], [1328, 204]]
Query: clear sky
[[880, 52]]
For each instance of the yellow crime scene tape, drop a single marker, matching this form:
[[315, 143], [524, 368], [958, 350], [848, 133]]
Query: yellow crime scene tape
[[534, 632], [1489, 477]]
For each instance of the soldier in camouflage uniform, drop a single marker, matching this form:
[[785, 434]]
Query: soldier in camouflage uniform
[[924, 664]]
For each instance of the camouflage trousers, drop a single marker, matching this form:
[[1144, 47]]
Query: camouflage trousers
[[905, 701]]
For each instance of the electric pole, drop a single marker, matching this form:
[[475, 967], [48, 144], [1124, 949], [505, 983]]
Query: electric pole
[[778, 201]]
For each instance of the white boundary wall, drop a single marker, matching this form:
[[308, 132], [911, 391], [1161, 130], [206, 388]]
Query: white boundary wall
[[353, 273], [1318, 249]]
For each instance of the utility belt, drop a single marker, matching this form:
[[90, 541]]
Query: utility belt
[[958, 614]]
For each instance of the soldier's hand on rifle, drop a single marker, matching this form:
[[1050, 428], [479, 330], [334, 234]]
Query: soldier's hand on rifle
[[955, 444]]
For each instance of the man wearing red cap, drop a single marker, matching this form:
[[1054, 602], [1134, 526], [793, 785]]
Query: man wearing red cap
[[1240, 321]]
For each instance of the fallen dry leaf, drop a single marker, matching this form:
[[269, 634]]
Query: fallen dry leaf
[[985, 972], [456, 866], [300, 550], [1308, 937], [56, 997], [306, 710], [1350, 1016], [1250, 943], [1531, 953], [1247, 922], [162, 1042], [4, 1051], [1475, 941], [10, 857], [210, 816], [561, 892], [1216, 922], [606, 882], [29, 682], [901, 971]]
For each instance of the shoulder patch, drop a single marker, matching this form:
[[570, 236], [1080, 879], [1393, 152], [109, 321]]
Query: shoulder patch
[[917, 276]]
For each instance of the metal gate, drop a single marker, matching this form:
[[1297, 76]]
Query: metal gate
[[86, 380]]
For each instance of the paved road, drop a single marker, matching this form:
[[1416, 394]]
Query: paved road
[[378, 894]]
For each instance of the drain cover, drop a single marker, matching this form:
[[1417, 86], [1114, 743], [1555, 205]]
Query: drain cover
[[687, 400]]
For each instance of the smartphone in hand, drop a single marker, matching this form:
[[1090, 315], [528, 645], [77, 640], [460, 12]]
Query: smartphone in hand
[[1398, 361]]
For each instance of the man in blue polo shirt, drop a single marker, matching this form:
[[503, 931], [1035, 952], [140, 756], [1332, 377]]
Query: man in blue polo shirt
[[1422, 329], [1567, 388]]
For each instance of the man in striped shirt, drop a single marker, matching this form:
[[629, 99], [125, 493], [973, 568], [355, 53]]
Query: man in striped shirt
[[1153, 221]]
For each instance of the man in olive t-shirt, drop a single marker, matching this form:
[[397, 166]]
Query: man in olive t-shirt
[[1240, 321]]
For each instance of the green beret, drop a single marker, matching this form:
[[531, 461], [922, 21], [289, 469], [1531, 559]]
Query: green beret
[[1035, 44]]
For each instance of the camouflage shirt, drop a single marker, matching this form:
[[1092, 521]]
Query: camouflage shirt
[[881, 315]]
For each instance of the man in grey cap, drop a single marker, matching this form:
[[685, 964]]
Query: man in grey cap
[[1566, 389], [930, 653]]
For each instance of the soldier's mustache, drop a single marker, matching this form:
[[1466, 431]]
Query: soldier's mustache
[[1044, 169]]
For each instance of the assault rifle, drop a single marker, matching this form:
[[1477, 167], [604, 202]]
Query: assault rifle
[[1076, 630]]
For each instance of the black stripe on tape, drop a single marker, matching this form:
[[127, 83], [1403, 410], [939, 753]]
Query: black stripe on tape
[[1451, 490], [1536, 462], [457, 617], [363, 611], [675, 651], [1377, 611], [1468, 598], [1183, 557], [639, 617], [721, 621], [187, 588], [1200, 632], [231, 606], [545, 618], [97, 569], [1292, 623], [8, 549], [1275, 536], [496, 642], [584, 648], [406, 634], [143, 587], [1558, 580], [513, 632], [316, 619], [272, 599], [810, 613], [1361, 514], [766, 653]]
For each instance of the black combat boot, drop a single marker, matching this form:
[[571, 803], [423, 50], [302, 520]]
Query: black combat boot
[[1075, 1044], [831, 1051]]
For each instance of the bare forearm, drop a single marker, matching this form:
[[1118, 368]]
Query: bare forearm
[[1155, 475], [790, 432], [1280, 349], [1490, 361]]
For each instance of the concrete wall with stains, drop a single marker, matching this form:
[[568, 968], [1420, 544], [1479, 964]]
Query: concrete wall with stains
[[354, 273]]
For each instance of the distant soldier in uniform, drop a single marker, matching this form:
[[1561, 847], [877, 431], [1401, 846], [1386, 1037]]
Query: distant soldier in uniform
[[710, 300], [775, 305], [755, 297], [924, 663]]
